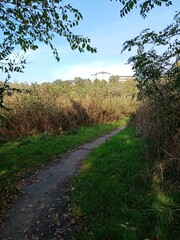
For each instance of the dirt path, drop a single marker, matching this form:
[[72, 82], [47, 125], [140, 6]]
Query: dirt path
[[41, 211]]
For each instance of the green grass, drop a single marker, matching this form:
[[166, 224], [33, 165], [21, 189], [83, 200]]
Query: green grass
[[115, 198], [20, 157]]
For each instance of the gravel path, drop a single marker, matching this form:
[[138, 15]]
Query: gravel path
[[41, 211]]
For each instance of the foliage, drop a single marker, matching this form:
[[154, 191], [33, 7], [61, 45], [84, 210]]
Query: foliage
[[24, 23], [144, 5], [158, 75], [113, 78], [78, 81], [150, 66]]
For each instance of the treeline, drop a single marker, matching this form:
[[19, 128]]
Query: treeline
[[62, 105]]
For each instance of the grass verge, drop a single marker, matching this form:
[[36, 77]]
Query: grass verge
[[116, 197], [17, 158]]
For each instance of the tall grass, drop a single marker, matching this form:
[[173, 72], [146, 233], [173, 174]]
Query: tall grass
[[158, 118], [58, 107]]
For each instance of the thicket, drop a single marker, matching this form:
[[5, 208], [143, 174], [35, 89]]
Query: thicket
[[60, 106], [158, 81], [158, 118]]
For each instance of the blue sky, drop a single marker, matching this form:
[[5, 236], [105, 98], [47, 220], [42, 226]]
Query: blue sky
[[107, 31]]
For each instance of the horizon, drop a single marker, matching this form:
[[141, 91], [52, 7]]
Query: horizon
[[122, 78]]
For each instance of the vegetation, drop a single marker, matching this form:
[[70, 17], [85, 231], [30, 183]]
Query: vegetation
[[116, 195], [158, 117], [17, 158], [25, 23], [144, 5], [51, 118], [158, 77], [134, 185], [61, 106]]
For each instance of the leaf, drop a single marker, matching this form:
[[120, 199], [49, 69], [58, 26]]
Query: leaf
[[88, 48]]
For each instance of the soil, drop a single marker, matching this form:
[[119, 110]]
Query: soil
[[43, 209]]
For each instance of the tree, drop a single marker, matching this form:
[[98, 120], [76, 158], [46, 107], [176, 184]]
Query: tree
[[158, 76], [150, 67], [78, 81], [114, 78], [144, 5], [24, 23]]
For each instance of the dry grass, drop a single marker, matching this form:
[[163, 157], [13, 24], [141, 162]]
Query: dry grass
[[58, 107], [161, 126]]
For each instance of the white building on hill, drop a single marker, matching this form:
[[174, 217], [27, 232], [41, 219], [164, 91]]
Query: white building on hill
[[106, 75], [101, 76]]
